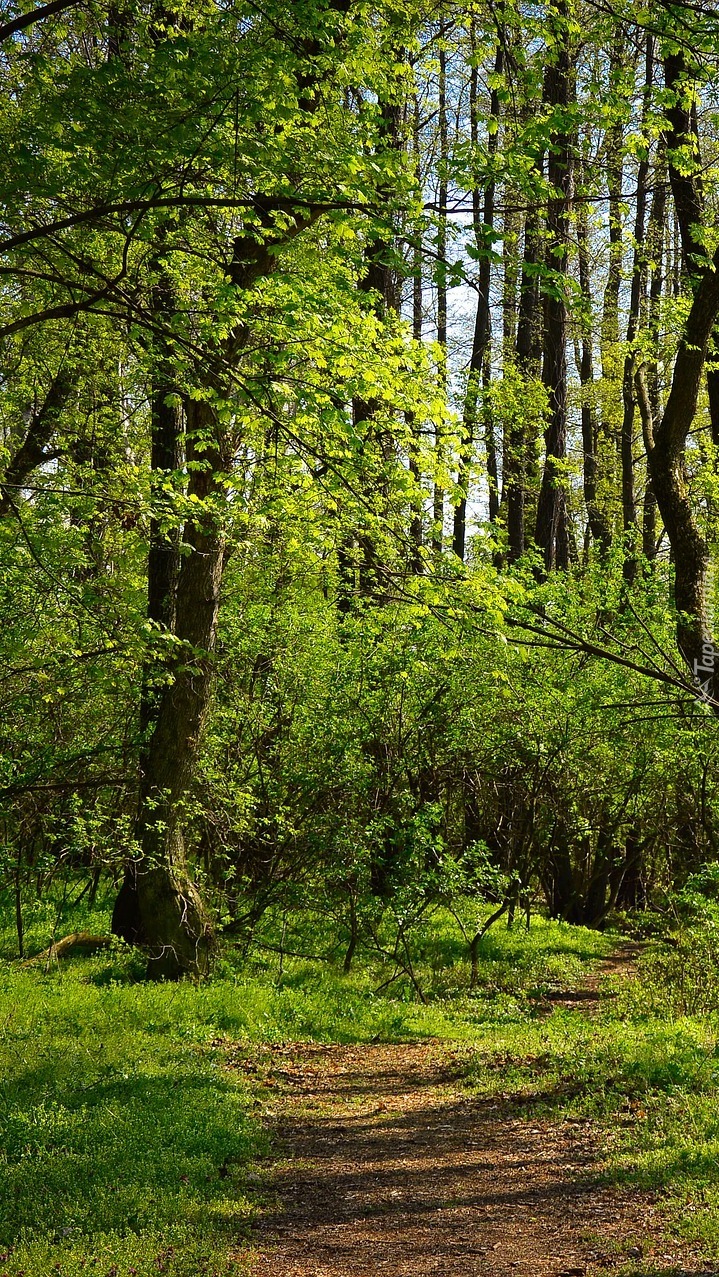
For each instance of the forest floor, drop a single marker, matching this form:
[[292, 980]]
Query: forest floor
[[386, 1162]]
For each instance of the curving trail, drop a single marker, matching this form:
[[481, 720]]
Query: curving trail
[[386, 1165]]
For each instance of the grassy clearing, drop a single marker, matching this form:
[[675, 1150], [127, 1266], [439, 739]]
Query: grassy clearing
[[128, 1147]]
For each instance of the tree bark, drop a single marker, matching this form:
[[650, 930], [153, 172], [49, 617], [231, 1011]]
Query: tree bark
[[483, 228], [552, 530], [34, 449], [639, 271], [599, 524], [666, 439], [655, 243], [158, 905], [438, 497], [416, 530], [529, 361]]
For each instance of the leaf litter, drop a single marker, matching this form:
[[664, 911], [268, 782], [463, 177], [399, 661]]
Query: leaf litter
[[384, 1163]]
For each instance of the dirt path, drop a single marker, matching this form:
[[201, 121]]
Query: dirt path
[[622, 963], [388, 1166]]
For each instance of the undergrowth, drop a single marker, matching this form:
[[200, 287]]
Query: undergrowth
[[128, 1147]]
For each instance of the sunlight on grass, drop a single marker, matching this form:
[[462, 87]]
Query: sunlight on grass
[[123, 1140], [127, 1144]]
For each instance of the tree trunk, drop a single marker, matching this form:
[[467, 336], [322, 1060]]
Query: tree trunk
[[381, 282], [528, 360], [655, 244], [482, 325], [438, 497], [639, 270], [158, 905], [611, 356], [598, 521], [416, 530], [667, 439], [35, 447], [552, 530]]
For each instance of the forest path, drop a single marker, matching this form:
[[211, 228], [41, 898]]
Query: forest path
[[389, 1166]]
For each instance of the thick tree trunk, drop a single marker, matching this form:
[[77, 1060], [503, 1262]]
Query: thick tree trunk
[[649, 522], [166, 451], [164, 548], [713, 394], [158, 905], [670, 483]]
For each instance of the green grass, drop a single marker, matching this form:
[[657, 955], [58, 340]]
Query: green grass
[[647, 1076], [123, 1140], [517, 965], [128, 1145], [126, 1142]]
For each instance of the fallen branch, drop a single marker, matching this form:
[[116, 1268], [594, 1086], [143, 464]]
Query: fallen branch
[[83, 940]]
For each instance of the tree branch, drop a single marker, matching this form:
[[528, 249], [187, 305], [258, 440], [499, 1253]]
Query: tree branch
[[25, 20]]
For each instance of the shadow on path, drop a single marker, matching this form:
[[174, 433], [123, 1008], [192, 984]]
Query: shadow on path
[[386, 1167]]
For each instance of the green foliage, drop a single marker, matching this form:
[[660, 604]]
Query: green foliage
[[125, 1144], [128, 1140], [419, 752], [380, 719], [222, 205]]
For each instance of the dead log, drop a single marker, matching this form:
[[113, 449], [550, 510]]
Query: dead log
[[82, 940]]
